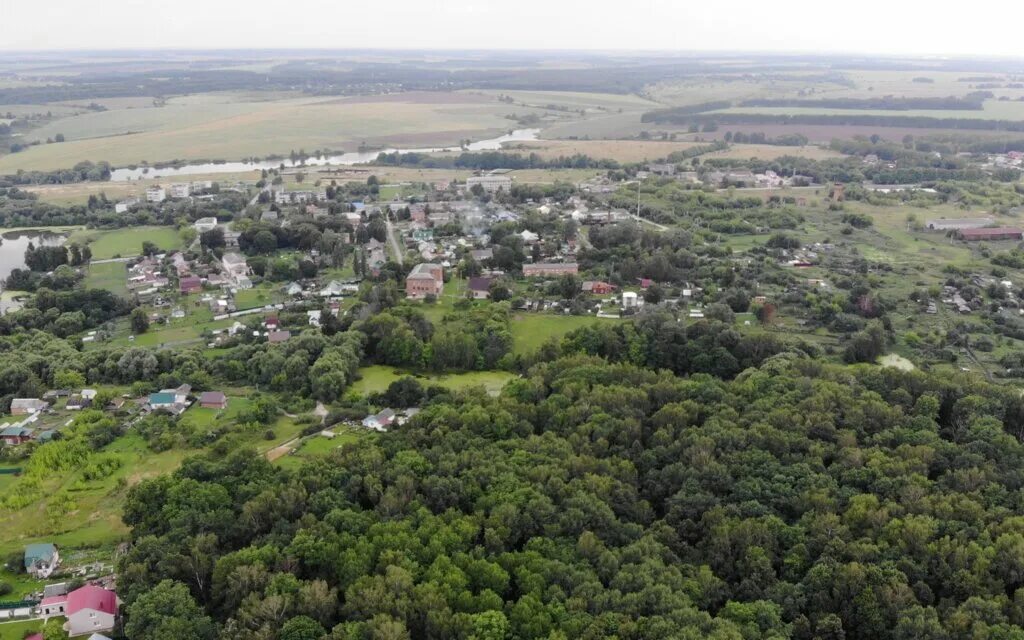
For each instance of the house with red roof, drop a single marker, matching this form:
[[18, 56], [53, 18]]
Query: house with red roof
[[90, 609]]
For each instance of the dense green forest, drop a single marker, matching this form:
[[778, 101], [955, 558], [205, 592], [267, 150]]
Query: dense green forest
[[600, 500]]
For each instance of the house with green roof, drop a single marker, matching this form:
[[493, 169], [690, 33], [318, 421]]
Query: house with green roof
[[41, 559]]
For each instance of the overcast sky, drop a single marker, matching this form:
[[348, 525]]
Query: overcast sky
[[981, 27]]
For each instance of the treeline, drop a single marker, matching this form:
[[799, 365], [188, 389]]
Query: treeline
[[487, 160], [82, 172], [591, 499], [65, 313], [973, 101], [915, 122], [785, 140]]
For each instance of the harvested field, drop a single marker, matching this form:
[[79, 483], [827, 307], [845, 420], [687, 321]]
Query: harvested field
[[621, 150]]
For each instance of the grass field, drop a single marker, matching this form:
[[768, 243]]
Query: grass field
[[18, 630], [621, 150], [377, 378], [239, 126], [771, 152], [111, 276], [95, 521], [531, 330], [22, 584], [126, 242]]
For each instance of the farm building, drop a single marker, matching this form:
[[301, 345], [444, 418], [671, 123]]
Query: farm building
[[213, 400], [23, 406], [991, 233], [490, 184], [550, 269], [951, 224]]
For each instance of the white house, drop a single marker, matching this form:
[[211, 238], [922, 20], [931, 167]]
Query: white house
[[205, 224], [156, 193], [181, 190]]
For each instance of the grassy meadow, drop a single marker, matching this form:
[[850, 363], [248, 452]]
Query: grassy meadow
[[126, 242]]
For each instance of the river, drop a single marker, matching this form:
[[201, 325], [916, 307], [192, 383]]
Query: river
[[344, 159]]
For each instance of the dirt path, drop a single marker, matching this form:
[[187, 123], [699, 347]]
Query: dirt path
[[395, 247], [281, 450]]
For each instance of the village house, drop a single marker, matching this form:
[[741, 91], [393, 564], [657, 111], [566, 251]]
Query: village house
[[90, 609], [277, 337], [528, 236], [41, 559], [181, 190], [205, 224], [180, 264], [125, 205], [424, 279], [15, 435], [213, 400], [155, 194], [174, 401], [190, 284], [480, 287], [550, 269], [662, 169], [296, 197], [482, 254], [597, 287], [379, 421], [24, 406], [236, 269], [77, 402]]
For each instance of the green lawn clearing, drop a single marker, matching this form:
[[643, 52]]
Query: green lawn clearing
[[126, 242], [531, 330], [376, 379]]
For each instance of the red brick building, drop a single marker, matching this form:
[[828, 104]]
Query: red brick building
[[424, 279], [550, 269]]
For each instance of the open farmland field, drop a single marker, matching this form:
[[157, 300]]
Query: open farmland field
[[575, 100], [994, 110], [621, 150], [825, 133], [770, 152], [217, 130], [126, 242]]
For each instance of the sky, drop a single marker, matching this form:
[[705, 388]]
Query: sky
[[914, 27]]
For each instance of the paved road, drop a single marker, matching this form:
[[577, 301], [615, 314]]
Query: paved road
[[393, 240]]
